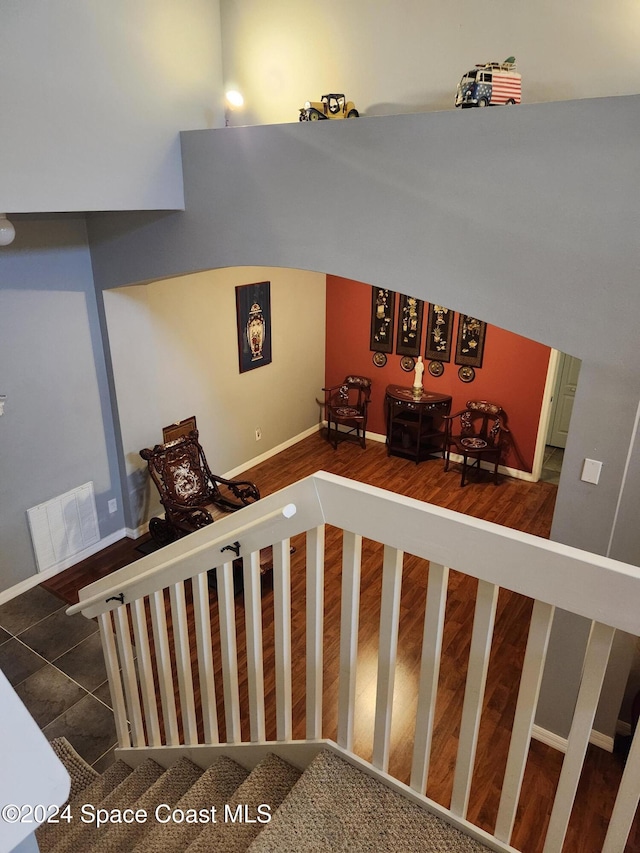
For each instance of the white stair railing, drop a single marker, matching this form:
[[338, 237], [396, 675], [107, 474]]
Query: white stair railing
[[173, 583]]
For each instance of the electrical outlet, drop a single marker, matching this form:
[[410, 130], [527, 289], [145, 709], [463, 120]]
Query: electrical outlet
[[258, 433], [113, 506]]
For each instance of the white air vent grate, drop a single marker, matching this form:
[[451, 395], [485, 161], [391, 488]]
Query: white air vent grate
[[63, 526]]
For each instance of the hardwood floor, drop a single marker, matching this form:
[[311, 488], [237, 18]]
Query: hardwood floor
[[517, 504]]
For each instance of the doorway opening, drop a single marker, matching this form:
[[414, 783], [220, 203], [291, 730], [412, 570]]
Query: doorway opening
[[562, 382]]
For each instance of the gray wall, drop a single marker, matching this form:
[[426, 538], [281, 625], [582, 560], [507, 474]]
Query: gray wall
[[56, 432], [527, 218], [94, 96]]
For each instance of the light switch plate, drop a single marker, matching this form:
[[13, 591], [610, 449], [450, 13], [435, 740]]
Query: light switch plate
[[591, 471]]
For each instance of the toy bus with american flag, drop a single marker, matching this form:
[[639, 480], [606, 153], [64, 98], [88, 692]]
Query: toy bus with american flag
[[490, 83]]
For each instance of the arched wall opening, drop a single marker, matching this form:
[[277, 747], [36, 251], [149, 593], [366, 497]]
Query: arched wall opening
[[174, 353], [527, 215]]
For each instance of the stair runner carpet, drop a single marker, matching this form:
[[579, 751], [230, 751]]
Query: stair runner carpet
[[331, 806]]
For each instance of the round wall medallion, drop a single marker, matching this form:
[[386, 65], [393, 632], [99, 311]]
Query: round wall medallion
[[379, 359], [407, 363], [436, 368], [466, 374]]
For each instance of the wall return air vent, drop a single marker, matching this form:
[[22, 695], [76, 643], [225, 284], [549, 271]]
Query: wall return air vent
[[63, 527]]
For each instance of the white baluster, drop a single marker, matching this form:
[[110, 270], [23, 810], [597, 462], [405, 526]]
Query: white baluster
[[163, 665], [125, 651], [145, 671], [626, 803], [351, 565], [315, 616], [389, 622], [530, 681], [202, 618], [483, 621], [282, 636], [228, 648], [429, 673], [595, 665], [113, 674], [253, 629], [183, 661]]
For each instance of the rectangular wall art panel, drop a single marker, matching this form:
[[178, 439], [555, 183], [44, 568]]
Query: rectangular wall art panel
[[382, 308], [409, 326], [471, 335], [439, 333], [253, 314]]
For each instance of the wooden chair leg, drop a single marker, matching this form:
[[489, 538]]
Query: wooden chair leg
[[464, 470]]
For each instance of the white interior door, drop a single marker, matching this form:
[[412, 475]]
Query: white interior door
[[563, 396]]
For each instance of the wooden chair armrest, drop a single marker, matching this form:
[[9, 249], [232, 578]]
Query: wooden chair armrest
[[245, 491], [194, 516]]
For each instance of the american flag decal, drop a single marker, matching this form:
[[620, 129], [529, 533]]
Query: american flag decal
[[506, 87]]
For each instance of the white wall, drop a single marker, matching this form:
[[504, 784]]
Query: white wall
[[174, 353], [398, 56], [94, 95]]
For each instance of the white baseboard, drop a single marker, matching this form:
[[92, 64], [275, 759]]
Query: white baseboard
[[269, 453], [137, 532], [560, 743], [51, 572], [502, 469], [487, 466], [623, 728]]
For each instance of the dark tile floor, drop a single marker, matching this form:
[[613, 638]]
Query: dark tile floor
[[55, 664]]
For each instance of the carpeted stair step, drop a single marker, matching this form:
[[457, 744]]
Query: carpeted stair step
[[82, 836], [268, 783], [214, 788], [334, 806], [81, 773], [170, 787], [50, 834]]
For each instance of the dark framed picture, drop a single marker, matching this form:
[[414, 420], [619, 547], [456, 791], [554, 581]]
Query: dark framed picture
[[471, 335], [439, 333], [253, 316], [383, 303], [409, 326]]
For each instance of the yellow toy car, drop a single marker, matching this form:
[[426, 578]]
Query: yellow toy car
[[329, 106]]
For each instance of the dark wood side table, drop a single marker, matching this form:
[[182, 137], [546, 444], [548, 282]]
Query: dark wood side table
[[415, 429]]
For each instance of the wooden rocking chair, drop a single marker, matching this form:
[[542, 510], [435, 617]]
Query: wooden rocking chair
[[193, 497]]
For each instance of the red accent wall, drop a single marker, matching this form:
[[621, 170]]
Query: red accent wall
[[513, 373]]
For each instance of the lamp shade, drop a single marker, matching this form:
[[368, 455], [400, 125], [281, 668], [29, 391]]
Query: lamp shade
[[7, 231]]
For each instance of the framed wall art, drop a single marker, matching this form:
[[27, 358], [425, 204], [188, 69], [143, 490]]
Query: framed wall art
[[409, 326], [471, 335], [253, 316], [383, 303], [439, 333]]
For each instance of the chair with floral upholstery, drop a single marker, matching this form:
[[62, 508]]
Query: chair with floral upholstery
[[346, 405], [477, 434]]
